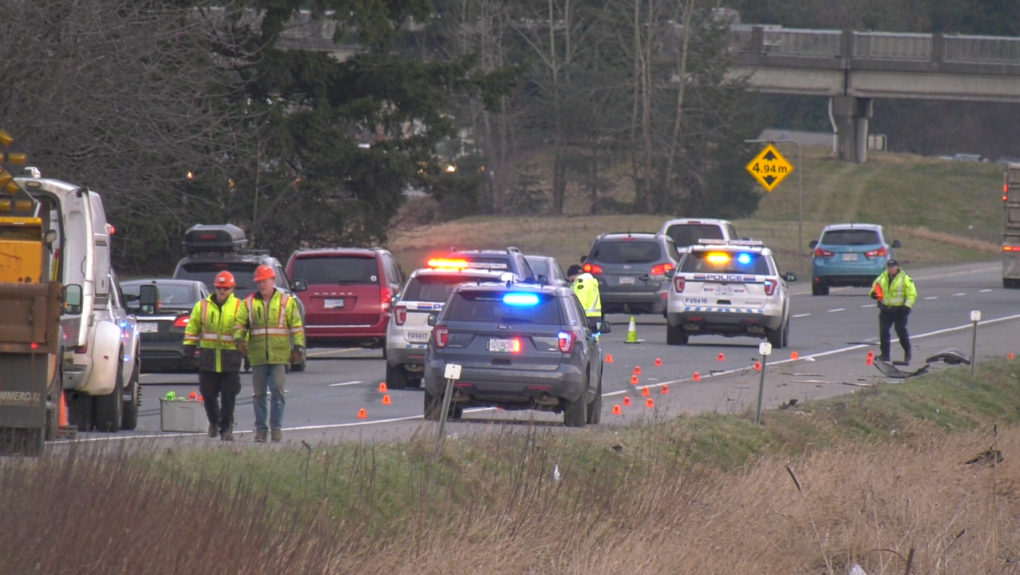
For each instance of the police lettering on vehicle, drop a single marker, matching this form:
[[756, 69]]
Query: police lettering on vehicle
[[724, 278]]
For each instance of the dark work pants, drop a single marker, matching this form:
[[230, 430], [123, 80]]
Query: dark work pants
[[212, 385], [887, 318]]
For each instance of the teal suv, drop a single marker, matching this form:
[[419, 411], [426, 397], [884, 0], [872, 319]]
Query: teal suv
[[849, 255]]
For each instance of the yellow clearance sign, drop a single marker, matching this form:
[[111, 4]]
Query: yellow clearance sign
[[769, 167]]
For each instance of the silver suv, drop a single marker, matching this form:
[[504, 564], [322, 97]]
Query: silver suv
[[730, 289], [686, 232], [408, 331]]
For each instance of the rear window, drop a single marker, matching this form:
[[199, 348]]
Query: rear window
[[332, 270], [244, 275], [627, 252], [490, 307], [725, 263], [169, 294], [432, 288], [850, 238], [688, 234]]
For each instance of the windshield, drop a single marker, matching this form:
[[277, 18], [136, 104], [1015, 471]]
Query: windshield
[[725, 262], [331, 270], [489, 307], [539, 267], [688, 234], [170, 295], [850, 238], [627, 252], [244, 274]]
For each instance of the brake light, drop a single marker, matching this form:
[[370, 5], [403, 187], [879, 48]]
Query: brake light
[[517, 345], [770, 287], [400, 314], [592, 269], [566, 340], [182, 320], [442, 335], [820, 253], [678, 283], [1011, 248], [385, 295], [661, 269], [879, 253]]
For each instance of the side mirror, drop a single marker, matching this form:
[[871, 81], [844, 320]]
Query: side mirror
[[605, 326], [543, 280], [299, 285], [432, 319], [790, 277], [670, 274], [72, 299], [896, 244], [148, 299], [813, 244], [584, 259], [51, 236]]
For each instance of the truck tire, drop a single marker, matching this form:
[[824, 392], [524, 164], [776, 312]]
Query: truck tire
[[576, 412], [79, 410], [132, 401], [396, 376], [109, 408]]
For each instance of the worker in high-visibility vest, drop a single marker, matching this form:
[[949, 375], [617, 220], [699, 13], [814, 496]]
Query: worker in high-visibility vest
[[270, 321], [211, 328], [586, 288], [896, 294]]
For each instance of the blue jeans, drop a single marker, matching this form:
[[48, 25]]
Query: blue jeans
[[273, 375]]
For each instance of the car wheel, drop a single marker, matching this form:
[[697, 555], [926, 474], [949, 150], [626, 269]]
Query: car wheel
[[775, 337], [786, 334], [675, 335], [396, 376], [576, 413], [595, 407], [819, 288], [415, 382]]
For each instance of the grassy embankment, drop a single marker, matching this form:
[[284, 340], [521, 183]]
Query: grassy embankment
[[857, 479], [941, 211]]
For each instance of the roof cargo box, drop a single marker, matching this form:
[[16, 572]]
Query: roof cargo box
[[223, 238]]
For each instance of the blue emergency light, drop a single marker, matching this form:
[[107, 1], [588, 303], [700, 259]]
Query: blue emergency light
[[744, 258], [520, 299]]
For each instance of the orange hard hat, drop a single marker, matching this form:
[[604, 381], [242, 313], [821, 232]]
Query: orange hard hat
[[224, 279], [264, 273]]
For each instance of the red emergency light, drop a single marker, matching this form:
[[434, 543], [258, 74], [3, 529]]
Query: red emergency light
[[443, 263]]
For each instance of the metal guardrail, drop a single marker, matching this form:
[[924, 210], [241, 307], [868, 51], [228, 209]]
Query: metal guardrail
[[892, 46], [993, 49]]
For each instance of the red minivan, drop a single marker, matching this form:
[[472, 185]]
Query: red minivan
[[349, 295]]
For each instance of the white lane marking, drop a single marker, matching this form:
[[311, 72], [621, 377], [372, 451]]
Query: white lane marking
[[344, 383], [329, 351], [870, 305], [959, 294], [984, 291], [837, 309], [802, 315], [932, 297]]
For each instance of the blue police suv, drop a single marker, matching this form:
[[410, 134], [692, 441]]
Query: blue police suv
[[519, 347]]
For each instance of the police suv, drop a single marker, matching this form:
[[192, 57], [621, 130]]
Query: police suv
[[408, 331], [728, 288]]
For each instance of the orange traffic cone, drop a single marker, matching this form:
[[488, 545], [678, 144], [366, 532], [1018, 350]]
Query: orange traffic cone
[[658, 362], [63, 410], [722, 356], [697, 376], [609, 358], [665, 390], [794, 355], [1009, 355], [383, 388], [386, 400], [634, 380], [362, 413], [649, 402], [617, 410], [645, 392], [757, 366], [626, 400], [637, 370]]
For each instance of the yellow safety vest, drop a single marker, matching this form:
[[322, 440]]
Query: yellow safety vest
[[586, 287], [900, 291], [269, 330], [212, 327]]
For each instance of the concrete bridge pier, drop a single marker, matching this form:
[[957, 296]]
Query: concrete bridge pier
[[852, 116]]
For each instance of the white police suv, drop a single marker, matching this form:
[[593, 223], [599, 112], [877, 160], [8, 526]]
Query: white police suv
[[729, 288]]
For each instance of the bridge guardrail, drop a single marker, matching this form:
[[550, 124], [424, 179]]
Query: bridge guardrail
[[892, 46], [979, 49]]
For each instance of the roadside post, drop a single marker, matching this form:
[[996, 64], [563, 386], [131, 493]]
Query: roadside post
[[975, 316], [452, 374], [765, 349]]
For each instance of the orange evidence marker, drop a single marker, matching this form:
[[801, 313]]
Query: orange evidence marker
[[617, 410], [645, 392], [609, 358], [871, 353], [658, 362], [722, 356], [626, 400], [757, 366], [665, 390], [634, 379], [649, 402], [383, 388], [870, 360], [362, 414], [794, 355], [386, 400], [697, 376], [1010, 356], [637, 370]]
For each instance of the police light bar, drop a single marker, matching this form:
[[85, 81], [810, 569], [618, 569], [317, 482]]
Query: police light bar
[[520, 299], [718, 257], [748, 243], [443, 263]]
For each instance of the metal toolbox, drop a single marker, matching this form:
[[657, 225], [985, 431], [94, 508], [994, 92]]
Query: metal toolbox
[[183, 416]]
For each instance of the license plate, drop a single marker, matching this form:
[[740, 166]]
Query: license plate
[[148, 327], [725, 290], [333, 303], [417, 336], [849, 257], [626, 280], [501, 345]]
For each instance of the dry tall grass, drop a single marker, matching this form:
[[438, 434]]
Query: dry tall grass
[[495, 507]]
